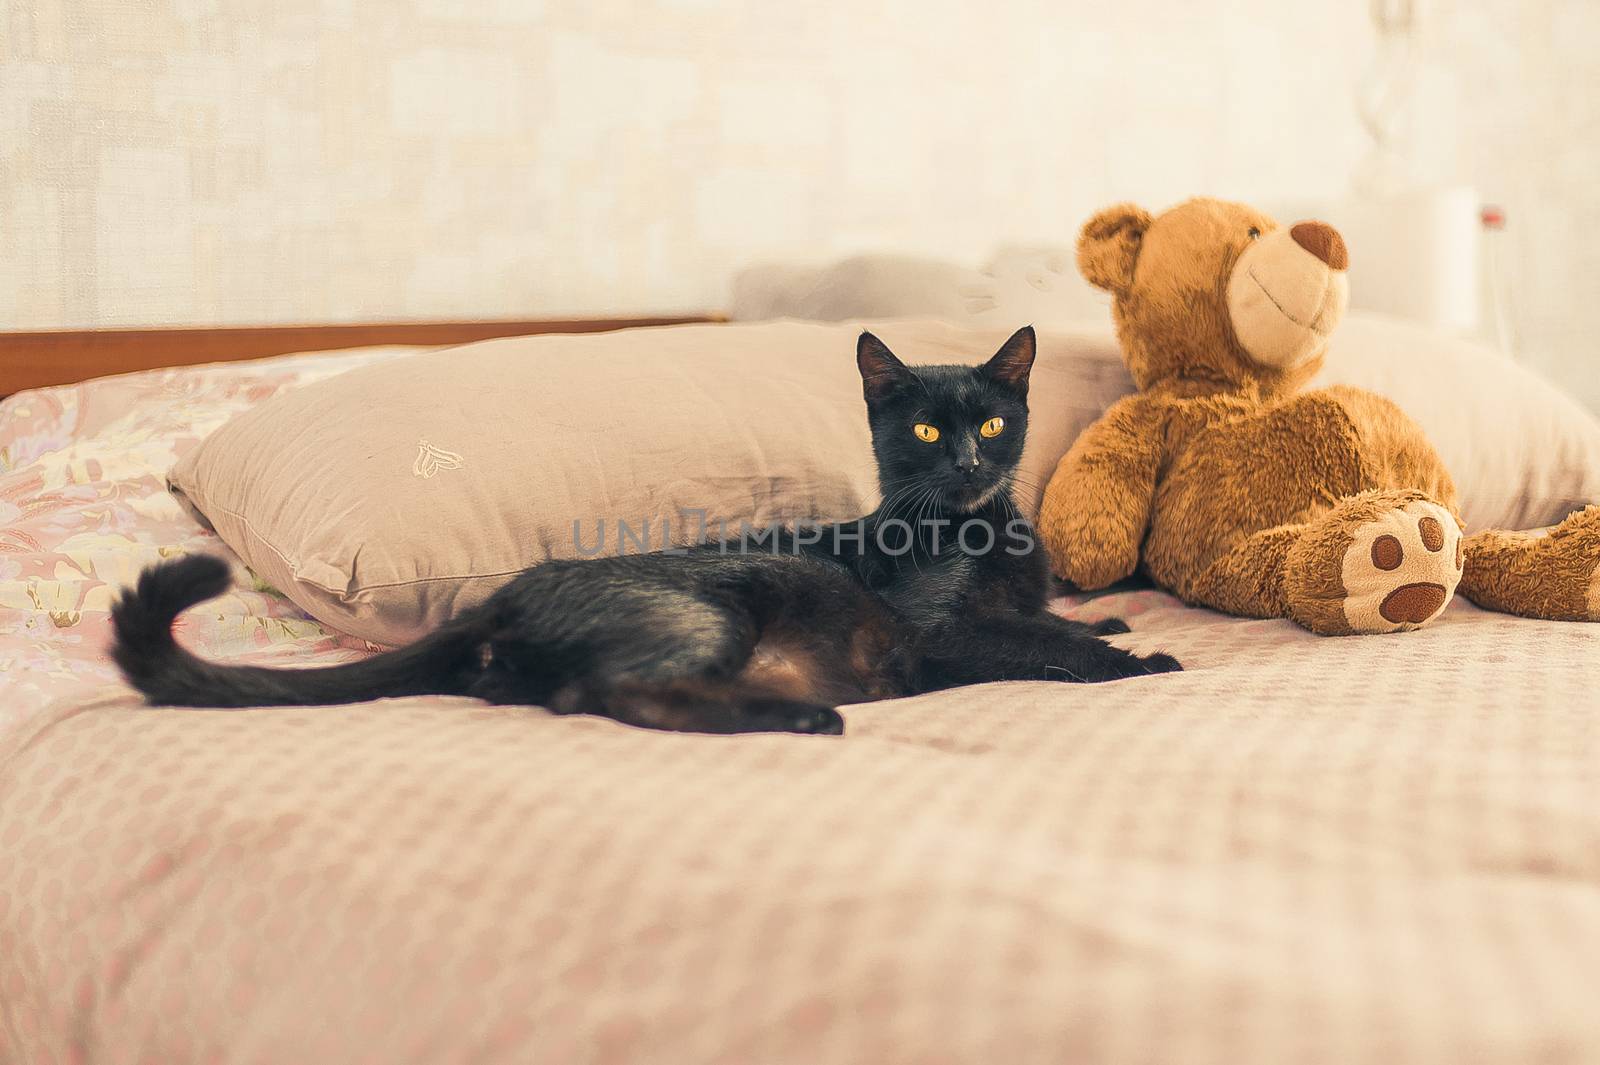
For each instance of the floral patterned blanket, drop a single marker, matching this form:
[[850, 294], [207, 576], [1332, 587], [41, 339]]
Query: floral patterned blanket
[[84, 506]]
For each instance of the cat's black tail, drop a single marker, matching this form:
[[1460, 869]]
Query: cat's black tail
[[166, 675]]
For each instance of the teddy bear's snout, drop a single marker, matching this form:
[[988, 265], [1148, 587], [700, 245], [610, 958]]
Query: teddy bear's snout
[[1287, 291], [1323, 241]]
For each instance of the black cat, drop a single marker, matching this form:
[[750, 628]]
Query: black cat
[[941, 586]]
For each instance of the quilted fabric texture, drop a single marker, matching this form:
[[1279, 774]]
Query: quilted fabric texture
[[1301, 850], [1267, 859]]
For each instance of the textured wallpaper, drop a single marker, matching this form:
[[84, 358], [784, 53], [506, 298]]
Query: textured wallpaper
[[228, 161], [319, 160]]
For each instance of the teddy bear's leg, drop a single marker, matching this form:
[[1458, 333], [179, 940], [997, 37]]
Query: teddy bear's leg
[[1378, 561], [1248, 580], [1553, 574]]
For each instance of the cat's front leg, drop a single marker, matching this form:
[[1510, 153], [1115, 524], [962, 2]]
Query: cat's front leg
[[1103, 627], [1043, 647], [1089, 659]]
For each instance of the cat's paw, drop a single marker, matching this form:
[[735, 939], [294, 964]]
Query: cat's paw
[[1113, 663], [1160, 663], [1109, 627], [820, 721], [783, 716]]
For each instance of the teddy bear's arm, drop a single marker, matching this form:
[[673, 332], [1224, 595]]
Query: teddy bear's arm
[[1097, 505]]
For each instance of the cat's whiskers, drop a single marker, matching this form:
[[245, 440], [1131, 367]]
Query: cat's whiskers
[[913, 480], [886, 509], [1011, 504], [927, 519], [887, 503], [1001, 489], [915, 525]]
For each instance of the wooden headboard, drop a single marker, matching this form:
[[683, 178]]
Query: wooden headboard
[[31, 360]]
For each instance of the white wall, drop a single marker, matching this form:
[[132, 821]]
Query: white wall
[[1509, 100], [217, 161]]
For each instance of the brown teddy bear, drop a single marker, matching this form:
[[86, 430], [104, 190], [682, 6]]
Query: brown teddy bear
[[1234, 489]]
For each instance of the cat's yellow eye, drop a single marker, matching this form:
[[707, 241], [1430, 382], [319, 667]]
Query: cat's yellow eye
[[925, 432], [993, 427]]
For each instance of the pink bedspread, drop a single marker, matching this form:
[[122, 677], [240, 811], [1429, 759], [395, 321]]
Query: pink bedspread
[[1372, 850]]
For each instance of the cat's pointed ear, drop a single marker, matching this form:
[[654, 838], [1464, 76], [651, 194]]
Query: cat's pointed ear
[[1109, 246], [881, 372], [1011, 364]]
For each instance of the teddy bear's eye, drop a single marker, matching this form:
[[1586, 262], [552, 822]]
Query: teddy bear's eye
[[1255, 234]]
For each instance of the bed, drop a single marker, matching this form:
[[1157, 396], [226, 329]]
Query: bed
[[1263, 859]]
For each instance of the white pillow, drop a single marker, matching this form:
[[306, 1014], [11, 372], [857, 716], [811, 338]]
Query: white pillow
[[1523, 453]]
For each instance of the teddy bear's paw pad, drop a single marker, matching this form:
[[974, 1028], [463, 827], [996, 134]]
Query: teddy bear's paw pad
[[1401, 568]]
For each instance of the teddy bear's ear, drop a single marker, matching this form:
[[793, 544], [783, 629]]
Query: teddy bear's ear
[[1109, 245]]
